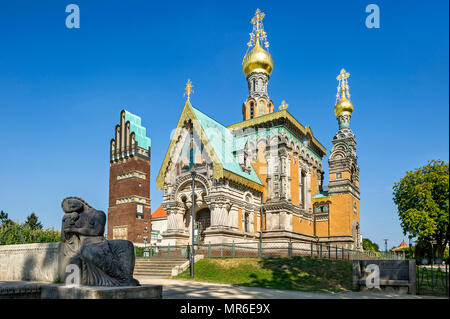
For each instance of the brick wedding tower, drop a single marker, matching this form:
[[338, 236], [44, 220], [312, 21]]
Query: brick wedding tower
[[129, 209]]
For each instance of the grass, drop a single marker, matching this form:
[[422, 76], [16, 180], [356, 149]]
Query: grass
[[428, 286], [294, 273]]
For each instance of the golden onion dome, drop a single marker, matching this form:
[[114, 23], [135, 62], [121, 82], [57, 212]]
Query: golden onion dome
[[343, 106], [257, 60]]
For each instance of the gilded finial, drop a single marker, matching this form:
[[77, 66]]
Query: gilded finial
[[189, 89], [258, 59], [258, 32], [343, 89], [343, 105], [283, 105]]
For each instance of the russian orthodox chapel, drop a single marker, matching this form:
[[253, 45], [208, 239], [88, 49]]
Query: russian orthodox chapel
[[261, 178]]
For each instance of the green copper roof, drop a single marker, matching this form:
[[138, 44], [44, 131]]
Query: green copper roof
[[139, 131], [321, 194], [224, 142]]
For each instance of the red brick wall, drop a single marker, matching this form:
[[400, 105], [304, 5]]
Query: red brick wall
[[125, 214]]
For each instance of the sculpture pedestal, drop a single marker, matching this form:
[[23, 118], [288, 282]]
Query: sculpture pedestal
[[55, 291]]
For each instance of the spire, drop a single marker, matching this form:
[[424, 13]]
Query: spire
[[257, 60], [257, 66], [188, 89], [258, 32], [343, 108]]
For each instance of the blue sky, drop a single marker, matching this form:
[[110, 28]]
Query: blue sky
[[61, 90]]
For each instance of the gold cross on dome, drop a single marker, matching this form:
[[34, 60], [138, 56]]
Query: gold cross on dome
[[343, 84], [189, 89], [258, 17], [258, 32], [283, 105]]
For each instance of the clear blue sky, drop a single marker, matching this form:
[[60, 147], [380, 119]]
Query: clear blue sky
[[61, 90]]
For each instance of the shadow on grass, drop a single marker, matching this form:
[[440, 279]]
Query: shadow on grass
[[303, 273]]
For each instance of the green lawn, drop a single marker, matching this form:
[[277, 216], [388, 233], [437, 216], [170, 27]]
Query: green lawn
[[432, 282], [295, 273]]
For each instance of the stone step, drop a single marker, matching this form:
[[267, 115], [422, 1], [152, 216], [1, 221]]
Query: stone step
[[159, 273], [150, 274], [153, 277], [152, 268], [160, 264], [160, 261], [147, 271], [155, 271], [157, 267]]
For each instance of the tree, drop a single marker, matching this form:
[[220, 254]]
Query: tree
[[368, 245], [33, 222], [422, 199], [4, 220]]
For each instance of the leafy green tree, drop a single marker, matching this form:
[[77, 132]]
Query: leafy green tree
[[422, 199], [368, 245], [4, 219], [33, 222]]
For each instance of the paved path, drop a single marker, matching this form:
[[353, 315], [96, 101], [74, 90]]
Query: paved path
[[185, 289]]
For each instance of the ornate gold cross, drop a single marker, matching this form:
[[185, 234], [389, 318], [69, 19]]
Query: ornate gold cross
[[189, 89], [283, 105], [343, 84], [257, 19], [258, 29]]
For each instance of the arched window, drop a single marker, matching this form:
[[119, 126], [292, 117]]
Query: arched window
[[252, 110], [260, 85], [261, 108]]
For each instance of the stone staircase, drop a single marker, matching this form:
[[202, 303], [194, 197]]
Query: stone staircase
[[158, 267]]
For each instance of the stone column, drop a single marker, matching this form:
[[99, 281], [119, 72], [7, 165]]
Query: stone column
[[219, 214], [272, 159], [233, 218], [273, 221], [308, 191], [171, 221], [224, 209], [250, 228], [289, 221], [300, 184], [283, 174], [319, 178], [179, 220], [215, 212], [258, 222], [288, 177], [270, 167], [175, 218]]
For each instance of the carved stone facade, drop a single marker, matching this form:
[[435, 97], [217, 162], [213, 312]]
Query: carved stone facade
[[262, 178], [288, 162]]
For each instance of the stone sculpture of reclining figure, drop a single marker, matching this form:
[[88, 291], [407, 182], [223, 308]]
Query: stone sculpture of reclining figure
[[101, 262]]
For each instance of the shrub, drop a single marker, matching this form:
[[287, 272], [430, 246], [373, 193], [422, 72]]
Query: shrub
[[10, 234]]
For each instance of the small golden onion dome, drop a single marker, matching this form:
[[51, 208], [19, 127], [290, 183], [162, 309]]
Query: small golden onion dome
[[257, 60], [343, 106]]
